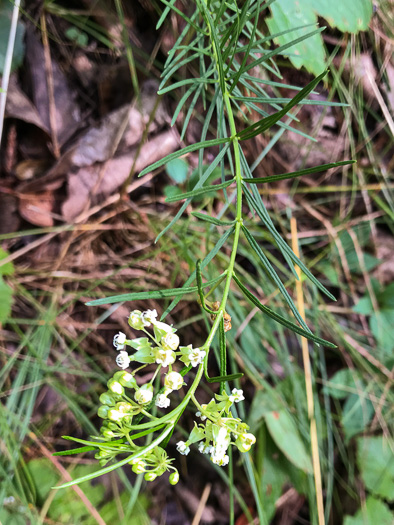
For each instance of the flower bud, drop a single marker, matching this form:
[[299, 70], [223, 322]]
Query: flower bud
[[107, 398], [108, 434], [173, 380], [138, 467], [114, 415], [135, 320], [103, 411], [150, 476], [174, 478], [144, 395], [115, 387], [119, 341], [126, 379], [170, 342]]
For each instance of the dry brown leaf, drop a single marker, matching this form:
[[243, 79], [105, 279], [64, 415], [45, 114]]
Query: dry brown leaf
[[37, 208], [20, 107], [92, 183], [66, 109]]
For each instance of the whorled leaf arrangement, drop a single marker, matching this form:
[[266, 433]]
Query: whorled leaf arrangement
[[213, 40]]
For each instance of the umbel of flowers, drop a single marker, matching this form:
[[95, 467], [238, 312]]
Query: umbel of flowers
[[126, 403]]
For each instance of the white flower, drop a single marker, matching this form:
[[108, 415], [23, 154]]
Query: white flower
[[204, 449], [237, 395], [149, 317], [222, 439], [196, 356], [119, 341], [170, 341], [219, 456], [162, 401], [248, 439], [173, 380], [182, 448], [123, 359], [144, 395], [165, 357]]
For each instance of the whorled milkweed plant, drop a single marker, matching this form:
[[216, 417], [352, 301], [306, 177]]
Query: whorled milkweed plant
[[223, 42]]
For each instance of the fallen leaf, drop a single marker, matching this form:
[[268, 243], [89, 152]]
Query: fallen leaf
[[67, 111], [92, 183]]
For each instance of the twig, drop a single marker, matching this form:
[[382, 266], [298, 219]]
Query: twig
[[201, 505]]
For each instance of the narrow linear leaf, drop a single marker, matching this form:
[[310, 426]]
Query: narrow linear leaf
[[216, 46], [278, 100], [78, 450], [200, 191], [182, 15], [274, 276], [212, 220], [164, 14], [156, 294], [267, 122], [280, 319], [183, 151], [300, 173], [186, 82]]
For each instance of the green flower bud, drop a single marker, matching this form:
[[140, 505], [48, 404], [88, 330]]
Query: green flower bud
[[103, 411], [127, 379], [115, 387], [150, 476], [135, 320], [144, 395], [114, 415], [107, 398], [174, 478], [108, 434], [138, 467]]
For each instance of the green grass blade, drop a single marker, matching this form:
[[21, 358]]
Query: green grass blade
[[78, 450], [211, 220]]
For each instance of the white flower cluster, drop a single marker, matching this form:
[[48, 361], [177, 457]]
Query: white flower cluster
[[161, 348], [216, 434]]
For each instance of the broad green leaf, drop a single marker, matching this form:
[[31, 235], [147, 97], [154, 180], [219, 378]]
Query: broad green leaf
[[76, 35], [183, 151], [280, 319], [300, 173], [364, 306], [381, 324], [8, 268], [349, 16], [284, 432], [156, 294], [343, 383], [177, 170], [200, 191], [375, 459], [356, 414], [375, 512], [44, 477], [171, 191]]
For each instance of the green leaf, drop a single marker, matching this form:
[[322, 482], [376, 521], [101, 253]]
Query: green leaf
[[171, 191], [284, 432], [280, 319], [78, 450], [200, 191], [375, 459], [364, 306], [6, 300], [183, 151], [267, 122], [177, 170], [356, 415], [156, 294], [343, 383], [8, 268], [351, 16], [381, 324], [76, 35], [300, 173], [375, 512], [6, 9], [212, 220]]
